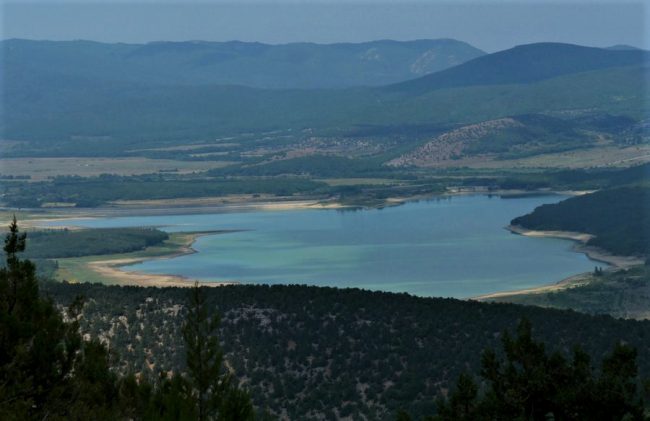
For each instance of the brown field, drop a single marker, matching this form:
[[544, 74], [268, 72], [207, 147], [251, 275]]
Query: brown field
[[42, 168]]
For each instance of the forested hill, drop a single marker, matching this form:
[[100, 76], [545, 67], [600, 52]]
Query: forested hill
[[325, 353], [287, 66], [618, 218], [525, 64]]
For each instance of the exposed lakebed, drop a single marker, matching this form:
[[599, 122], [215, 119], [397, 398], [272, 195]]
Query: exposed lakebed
[[451, 246]]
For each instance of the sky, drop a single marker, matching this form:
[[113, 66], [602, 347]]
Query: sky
[[491, 25]]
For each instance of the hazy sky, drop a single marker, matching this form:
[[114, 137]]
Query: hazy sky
[[488, 24]]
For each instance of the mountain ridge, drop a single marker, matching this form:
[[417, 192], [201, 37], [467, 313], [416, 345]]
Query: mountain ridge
[[253, 64]]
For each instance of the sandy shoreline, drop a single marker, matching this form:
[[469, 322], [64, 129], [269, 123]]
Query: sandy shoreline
[[570, 282], [39, 218], [113, 269], [581, 239], [593, 253]]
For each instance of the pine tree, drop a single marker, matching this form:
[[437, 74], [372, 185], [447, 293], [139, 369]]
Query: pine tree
[[462, 402], [46, 370], [18, 285], [215, 393], [525, 383]]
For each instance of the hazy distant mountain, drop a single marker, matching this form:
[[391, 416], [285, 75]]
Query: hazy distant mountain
[[542, 78], [525, 64], [297, 65]]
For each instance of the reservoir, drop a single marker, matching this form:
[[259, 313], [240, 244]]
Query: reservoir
[[449, 247]]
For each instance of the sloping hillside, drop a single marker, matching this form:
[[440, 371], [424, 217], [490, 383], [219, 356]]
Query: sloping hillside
[[525, 64], [326, 353], [617, 218], [511, 137]]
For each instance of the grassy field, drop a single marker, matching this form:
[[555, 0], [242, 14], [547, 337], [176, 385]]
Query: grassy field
[[43, 168]]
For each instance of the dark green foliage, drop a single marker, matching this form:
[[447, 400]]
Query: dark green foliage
[[402, 416], [462, 403], [616, 217], [204, 357], [90, 242], [99, 190], [309, 350], [48, 372], [573, 179], [524, 382], [213, 391], [599, 178]]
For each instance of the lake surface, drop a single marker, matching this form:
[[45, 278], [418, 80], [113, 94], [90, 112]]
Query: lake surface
[[451, 247]]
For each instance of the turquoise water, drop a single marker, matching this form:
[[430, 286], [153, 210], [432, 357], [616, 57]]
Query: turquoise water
[[451, 247]]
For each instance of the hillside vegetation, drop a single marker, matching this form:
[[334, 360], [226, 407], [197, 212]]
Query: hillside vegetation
[[617, 218], [622, 293], [94, 191], [325, 353], [90, 242]]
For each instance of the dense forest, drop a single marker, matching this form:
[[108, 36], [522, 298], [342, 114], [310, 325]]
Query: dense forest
[[93, 191], [522, 381], [618, 218], [90, 242], [309, 352]]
